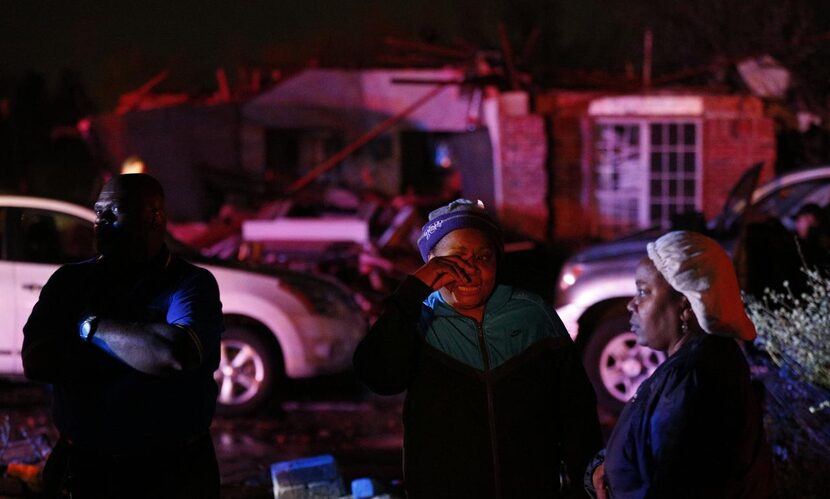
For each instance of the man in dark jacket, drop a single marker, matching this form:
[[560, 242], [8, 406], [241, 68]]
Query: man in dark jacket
[[498, 404], [129, 341]]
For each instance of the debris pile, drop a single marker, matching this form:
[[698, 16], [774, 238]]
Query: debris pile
[[366, 244], [318, 477], [23, 450]]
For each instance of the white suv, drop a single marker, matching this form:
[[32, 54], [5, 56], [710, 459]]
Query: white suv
[[596, 284], [278, 323]]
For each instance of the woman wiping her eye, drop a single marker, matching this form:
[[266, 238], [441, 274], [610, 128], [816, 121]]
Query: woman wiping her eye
[[497, 403]]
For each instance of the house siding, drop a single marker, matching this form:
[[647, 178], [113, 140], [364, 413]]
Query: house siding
[[736, 135]]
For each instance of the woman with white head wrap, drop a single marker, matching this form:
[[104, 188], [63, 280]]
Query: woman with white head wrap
[[694, 428]]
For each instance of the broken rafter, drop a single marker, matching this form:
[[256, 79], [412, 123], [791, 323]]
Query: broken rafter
[[131, 100], [507, 53], [598, 78], [714, 66], [344, 153], [410, 60], [465, 45], [811, 40], [473, 80], [428, 48], [529, 45], [621, 82], [684, 73]]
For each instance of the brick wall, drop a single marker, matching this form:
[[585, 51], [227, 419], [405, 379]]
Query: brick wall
[[524, 178], [736, 135], [570, 202]]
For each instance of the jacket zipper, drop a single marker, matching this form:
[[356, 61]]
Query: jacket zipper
[[491, 419]]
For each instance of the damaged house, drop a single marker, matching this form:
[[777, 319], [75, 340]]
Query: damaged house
[[447, 138], [582, 164]]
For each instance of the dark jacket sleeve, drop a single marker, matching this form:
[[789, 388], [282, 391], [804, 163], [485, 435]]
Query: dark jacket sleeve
[[385, 358], [52, 350], [588, 477], [581, 436], [702, 427], [196, 307]]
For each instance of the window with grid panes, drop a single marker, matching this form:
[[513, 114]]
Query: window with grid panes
[[645, 172], [672, 171]]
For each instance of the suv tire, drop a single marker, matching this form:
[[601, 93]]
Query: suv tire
[[615, 363], [248, 371]]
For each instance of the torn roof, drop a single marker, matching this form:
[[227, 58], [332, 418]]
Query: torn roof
[[348, 99]]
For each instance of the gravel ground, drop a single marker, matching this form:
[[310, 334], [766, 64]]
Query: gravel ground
[[364, 434], [327, 416]]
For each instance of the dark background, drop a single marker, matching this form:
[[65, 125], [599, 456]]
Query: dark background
[[116, 46]]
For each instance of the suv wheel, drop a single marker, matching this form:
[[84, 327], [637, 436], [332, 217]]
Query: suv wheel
[[616, 363], [247, 371]]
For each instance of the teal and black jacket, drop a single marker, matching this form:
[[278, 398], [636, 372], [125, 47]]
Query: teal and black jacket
[[496, 409]]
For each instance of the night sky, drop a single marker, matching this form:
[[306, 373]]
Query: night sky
[[116, 46]]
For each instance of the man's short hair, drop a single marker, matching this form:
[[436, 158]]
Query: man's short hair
[[138, 188]]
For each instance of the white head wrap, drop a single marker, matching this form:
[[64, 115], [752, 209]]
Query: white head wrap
[[699, 268]]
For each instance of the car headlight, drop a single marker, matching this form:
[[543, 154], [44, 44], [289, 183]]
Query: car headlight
[[569, 275]]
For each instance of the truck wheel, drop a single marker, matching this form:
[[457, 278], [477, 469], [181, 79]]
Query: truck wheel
[[247, 373], [615, 363]]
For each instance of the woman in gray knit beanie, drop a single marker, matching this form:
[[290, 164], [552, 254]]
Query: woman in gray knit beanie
[[694, 428]]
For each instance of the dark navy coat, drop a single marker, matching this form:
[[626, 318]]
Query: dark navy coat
[[501, 430], [694, 429]]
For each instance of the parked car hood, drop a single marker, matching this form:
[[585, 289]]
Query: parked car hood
[[298, 278]]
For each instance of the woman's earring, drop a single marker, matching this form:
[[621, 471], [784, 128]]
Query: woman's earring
[[684, 325]]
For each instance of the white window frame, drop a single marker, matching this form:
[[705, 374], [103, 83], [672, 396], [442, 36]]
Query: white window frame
[[644, 124]]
